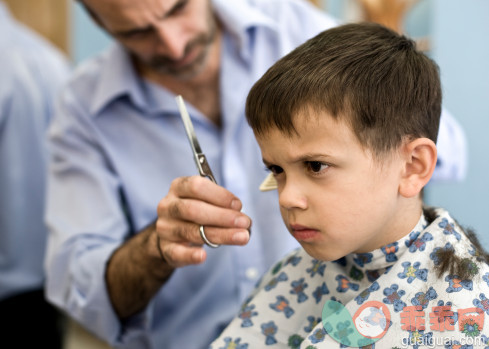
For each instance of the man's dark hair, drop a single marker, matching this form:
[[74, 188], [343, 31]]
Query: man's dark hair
[[367, 74]]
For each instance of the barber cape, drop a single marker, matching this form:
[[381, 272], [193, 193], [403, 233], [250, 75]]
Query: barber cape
[[389, 298]]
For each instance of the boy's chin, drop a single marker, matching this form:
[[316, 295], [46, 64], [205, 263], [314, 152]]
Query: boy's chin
[[320, 255]]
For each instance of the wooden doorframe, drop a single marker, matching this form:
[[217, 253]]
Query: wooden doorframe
[[50, 18]]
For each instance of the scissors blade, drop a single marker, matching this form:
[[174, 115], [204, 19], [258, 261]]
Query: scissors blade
[[199, 157]]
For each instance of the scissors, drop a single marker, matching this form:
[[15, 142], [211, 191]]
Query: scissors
[[200, 160], [199, 157]]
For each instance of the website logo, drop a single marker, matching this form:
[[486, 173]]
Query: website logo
[[369, 323], [372, 320]]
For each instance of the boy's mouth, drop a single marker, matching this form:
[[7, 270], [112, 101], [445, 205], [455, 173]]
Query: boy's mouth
[[303, 233]]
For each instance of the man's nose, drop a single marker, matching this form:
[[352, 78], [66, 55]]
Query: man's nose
[[171, 41]]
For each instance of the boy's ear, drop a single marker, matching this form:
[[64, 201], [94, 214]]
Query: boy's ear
[[420, 161]]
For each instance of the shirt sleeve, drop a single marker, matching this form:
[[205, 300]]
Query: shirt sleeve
[[83, 237], [299, 21], [32, 72]]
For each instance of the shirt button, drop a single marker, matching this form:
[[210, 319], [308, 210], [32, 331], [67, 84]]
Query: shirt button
[[251, 273]]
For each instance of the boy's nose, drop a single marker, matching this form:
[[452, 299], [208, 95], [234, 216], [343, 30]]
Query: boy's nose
[[291, 196]]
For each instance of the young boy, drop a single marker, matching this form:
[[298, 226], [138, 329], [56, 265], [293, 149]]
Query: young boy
[[347, 124]]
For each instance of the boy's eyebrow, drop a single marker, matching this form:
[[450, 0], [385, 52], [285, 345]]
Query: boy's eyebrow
[[304, 157], [311, 157]]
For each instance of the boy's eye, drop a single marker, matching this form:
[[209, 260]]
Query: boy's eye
[[275, 169], [316, 166]]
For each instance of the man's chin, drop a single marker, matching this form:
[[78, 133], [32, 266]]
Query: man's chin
[[186, 73]]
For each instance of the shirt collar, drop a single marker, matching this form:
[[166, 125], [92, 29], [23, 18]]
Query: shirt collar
[[117, 79], [239, 17], [4, 12], [5, 17]]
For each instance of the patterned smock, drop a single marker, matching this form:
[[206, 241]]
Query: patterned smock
[[393, 298]]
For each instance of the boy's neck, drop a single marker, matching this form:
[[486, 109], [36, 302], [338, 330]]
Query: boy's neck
[[408, 216], [400, 224]]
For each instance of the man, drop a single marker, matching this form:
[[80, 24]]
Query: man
[[127, 223], [31, 73]]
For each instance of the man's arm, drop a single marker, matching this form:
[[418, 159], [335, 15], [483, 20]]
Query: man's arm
[[141, 266], [147, 273]]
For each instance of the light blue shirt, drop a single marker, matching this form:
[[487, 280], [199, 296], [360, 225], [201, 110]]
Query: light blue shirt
[[30, 72], [118, 142]]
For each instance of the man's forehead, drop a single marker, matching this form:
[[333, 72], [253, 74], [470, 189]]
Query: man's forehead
[[129, 5], [120, 15]]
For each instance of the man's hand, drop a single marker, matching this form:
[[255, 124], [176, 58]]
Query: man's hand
[[190, 203]]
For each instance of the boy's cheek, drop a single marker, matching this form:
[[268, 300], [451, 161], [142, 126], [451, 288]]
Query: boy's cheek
[[285, 217]]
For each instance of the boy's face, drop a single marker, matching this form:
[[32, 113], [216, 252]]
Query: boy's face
[[334, 197]]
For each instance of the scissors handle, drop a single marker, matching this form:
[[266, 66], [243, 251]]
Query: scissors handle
[[204, 168]]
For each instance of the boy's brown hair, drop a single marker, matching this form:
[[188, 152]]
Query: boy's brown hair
[[370, 75]]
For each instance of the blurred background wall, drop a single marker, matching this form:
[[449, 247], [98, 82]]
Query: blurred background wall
[[454, 32], [461, 48]]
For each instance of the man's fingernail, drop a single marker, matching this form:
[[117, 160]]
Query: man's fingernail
[[242, 222], [241, 237], [235, 204], [198, 256]]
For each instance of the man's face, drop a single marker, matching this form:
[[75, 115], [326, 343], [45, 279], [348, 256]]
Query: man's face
[[335, 198], [170, 37]]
